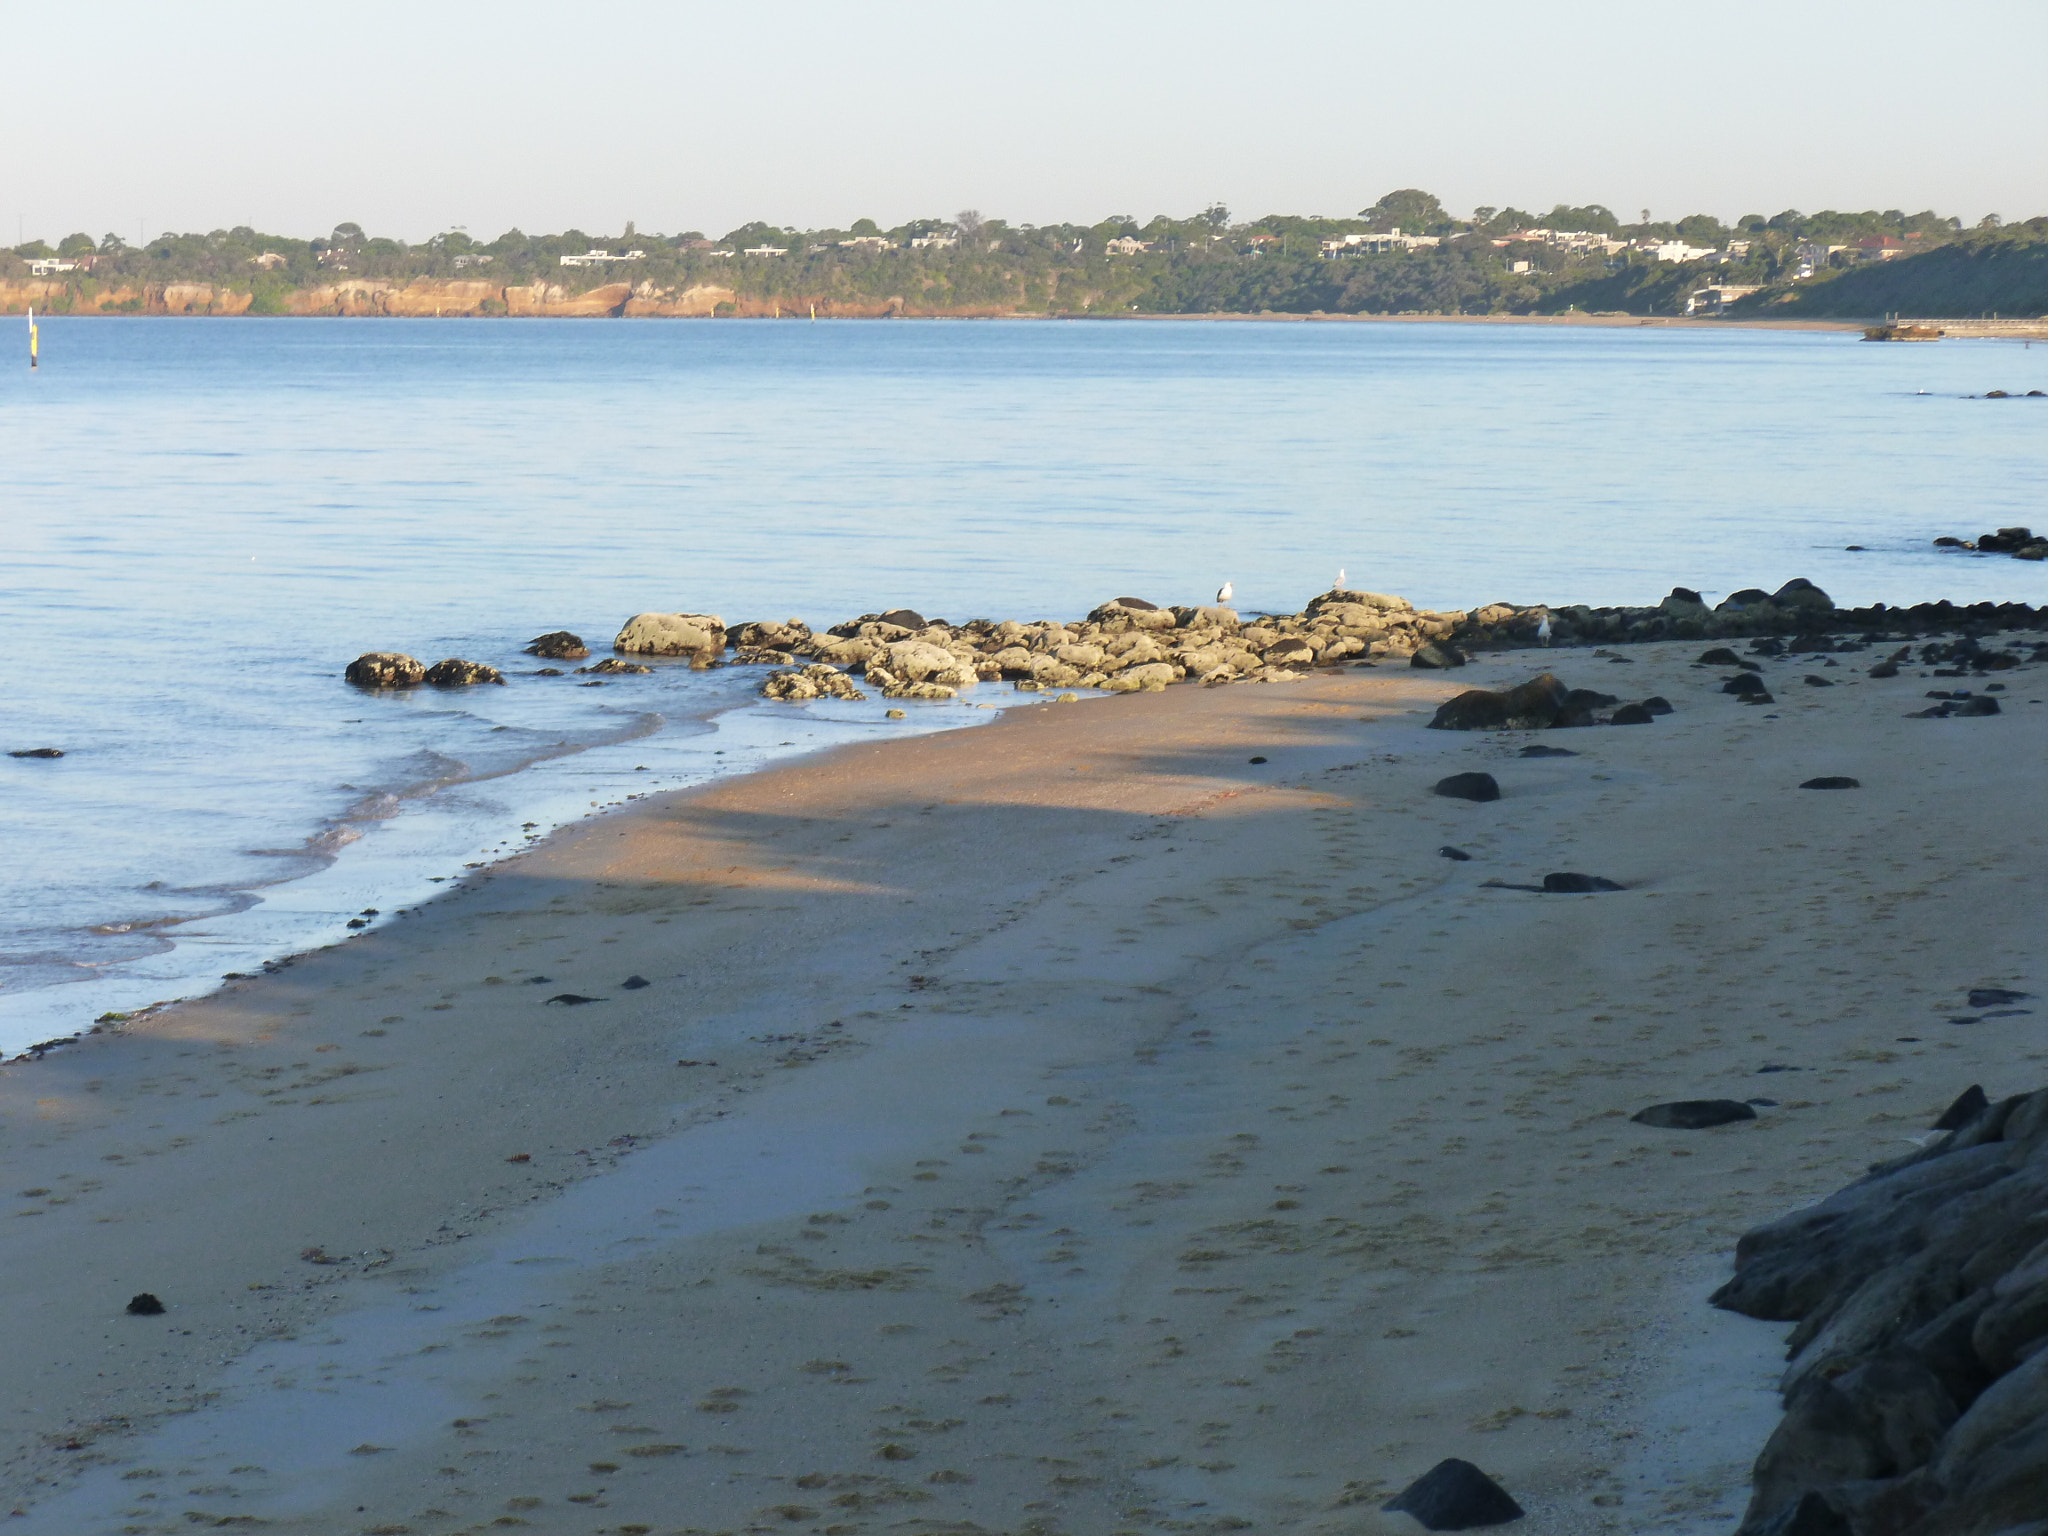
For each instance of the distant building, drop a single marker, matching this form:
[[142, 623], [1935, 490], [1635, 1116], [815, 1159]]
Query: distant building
[[1880, 248], [598, 256], [1125, 245], [1673, 250], [764, 250], [1714, 300], [469, 259], [1519, 267], [868, 243], [267, 260], [50, 266], [1392, 240]]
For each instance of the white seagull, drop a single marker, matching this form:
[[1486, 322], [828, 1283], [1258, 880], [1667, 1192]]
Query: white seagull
[[1223, 592], [1340, 579], [1543, 630]]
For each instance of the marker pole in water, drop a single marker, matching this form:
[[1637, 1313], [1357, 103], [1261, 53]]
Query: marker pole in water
[[33, 362]]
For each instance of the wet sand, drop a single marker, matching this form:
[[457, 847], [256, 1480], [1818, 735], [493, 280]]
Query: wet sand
[[1065, 1125]]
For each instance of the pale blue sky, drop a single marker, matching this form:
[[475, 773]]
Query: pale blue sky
[[409, 118]]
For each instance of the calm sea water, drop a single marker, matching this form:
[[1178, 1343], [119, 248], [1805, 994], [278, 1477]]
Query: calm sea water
[[203, 520]]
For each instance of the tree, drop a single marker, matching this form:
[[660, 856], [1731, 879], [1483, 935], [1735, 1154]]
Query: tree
[[1410, 209], [968, 222], [76, 245], [112, 244], [1483, 215], [1216, 216], [346, 234], [864, 227], [1701, 229]]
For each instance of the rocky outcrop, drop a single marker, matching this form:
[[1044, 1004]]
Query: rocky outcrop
[[700, 636], [456, 673], [2021, 543], [386, 669], [798, 685], [1916, 1397], [557, 645]]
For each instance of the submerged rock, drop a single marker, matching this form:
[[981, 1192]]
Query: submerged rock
[[799, 685], [44, 752], [386, 669], [457, 673], [557, 645]]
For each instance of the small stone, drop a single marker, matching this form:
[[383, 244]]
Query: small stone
[[1996, 997], [1632, 714], [37, 752], [896, 714], [1438, 655], [1455, 855], [557, 645], [457, 673], [385, 669], [1693, 1114], [1255, 759], [1832, 781], [143, 1304], [1657, 704], [1745, 686], [1539, 750], [1468, 786], [1567, 883], [573, 999], [634, 983], [1454, 1495]]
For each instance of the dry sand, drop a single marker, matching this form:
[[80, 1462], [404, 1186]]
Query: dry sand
[[1067, 1125]]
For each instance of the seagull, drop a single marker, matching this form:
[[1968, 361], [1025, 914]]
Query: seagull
[[1340, 579], [1543, 630], [1223, 592]]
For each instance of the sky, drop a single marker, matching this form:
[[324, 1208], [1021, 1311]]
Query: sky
[[414, 118]]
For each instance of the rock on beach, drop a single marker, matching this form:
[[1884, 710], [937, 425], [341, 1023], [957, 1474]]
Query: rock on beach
[[700, 636], [386, 669]]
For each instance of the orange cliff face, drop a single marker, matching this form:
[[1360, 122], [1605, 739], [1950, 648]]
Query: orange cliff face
[[430, 297]]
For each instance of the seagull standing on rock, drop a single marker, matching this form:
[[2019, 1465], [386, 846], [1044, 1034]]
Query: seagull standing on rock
[[1223, 592], [1543, 630], [1340, 580]]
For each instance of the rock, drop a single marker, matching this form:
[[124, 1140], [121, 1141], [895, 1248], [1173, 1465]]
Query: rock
[[1747, 684], [1947, 541], [1148, 676], [798, 685], [1801, 593], [44, 752], [1657, 704], [574, 999], [1817, 682], [611, 666], [557, 645], [1567, 883], [1537, 749], [1290, 652], [767, 635], [896, 714], [1832, 781], [1693, 1114], [634, 983], [1454, 1495], [931, 692], [143, 1304], [699, 636], [1456, 855], [456, 673], [1748, 597], [1632, 714], [1976, 706], [1438, 656], [386, 669], [919, 661], [1468, 786], [1968, 1105], [1996, 997], [1721, 656], [903, 618], [1885, 669], [1813, 1515], [1536, 705]]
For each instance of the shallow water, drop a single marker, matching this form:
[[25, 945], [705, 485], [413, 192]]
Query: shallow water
[[205, 519]]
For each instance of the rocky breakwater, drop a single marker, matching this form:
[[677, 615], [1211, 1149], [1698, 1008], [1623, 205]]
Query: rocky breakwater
[[1916, 1398]]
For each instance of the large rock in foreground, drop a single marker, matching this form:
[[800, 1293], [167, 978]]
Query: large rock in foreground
[[700, 636], [1916, 1400], [386, 669], [1536, 705]]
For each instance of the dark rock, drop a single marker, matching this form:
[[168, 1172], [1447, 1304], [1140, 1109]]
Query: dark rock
[[1438, 655], [1721, 656], [1817, 682], [1693, 1114], [1746, 685], [456, 673], [1255, 759], [385, 669], [1757, 698], [143, 1304], [557, 645], [1832, 781], [1968, 1105], [1567, 883], [1456, 855], [1748, 597], [1687, 595], [548, 672], [612, 666], [1454, 1495], [1769, 645], [1885, 669], [1536, 705], [1813, 1515], [910, 618], [572, 999], [1632, 714], [634, 983], [38, 752], [1468, 786], [1996, 997], [1586, 700], [1657, 704], [1947, 541], [1537, 749], [1135, 604], [1978, 706], [1801, 593]]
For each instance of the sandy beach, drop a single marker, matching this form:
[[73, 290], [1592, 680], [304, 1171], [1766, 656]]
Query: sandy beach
[[1115, 1118]]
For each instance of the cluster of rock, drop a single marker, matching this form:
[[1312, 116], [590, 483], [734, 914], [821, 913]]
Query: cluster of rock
[[1541, 704], [395, 669], [1130, 645], [1916, 1398], [2020, 543]]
